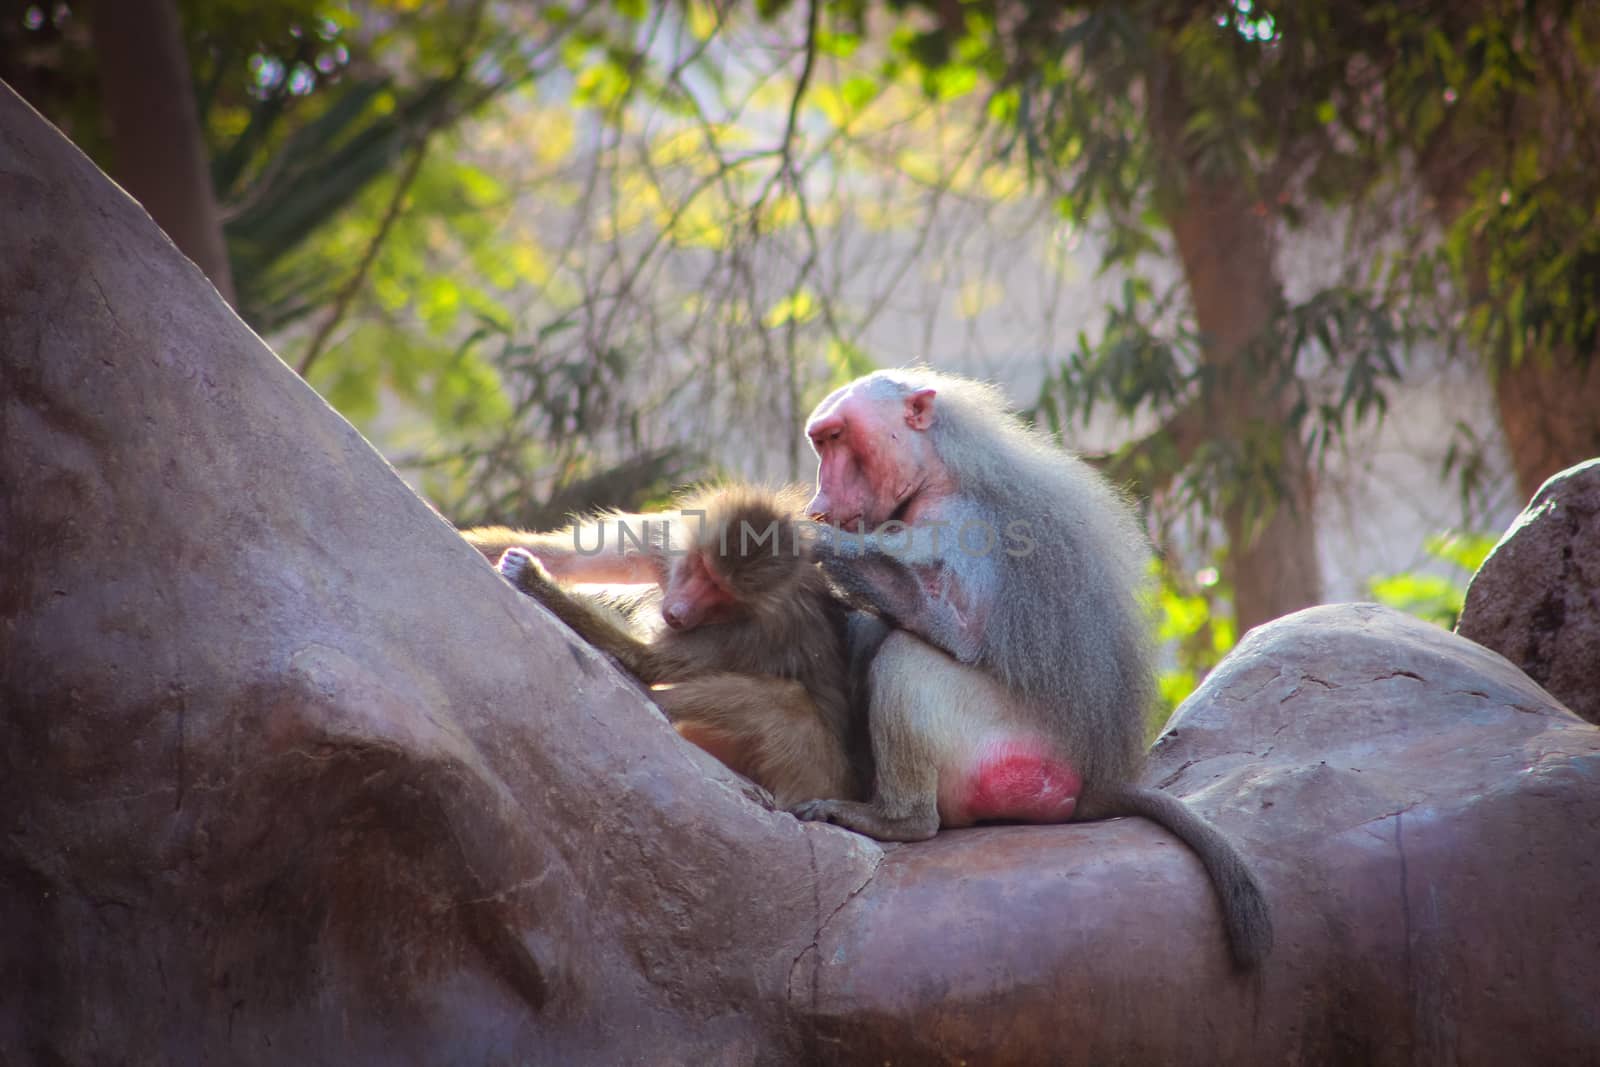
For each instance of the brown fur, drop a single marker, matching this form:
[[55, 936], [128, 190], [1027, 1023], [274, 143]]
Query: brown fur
[[762, 679]]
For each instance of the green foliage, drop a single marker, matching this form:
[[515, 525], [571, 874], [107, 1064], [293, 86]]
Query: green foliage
[[847, 362], [305, 153], [1334, 356], [520, 410], [284, 237], [1134, 366], [1126, 114], [1195, 626], [1434, 597], [1499, 108], [356, 221], [1481, 118], [421, 292], [1194, 623]]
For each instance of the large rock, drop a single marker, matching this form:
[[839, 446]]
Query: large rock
[[1420, 813], [289, 775], [1536, 599]]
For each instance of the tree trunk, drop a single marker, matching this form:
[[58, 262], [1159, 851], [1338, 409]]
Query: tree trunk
[[290, 775], [156, 140], [1549, 404], [1226, 251], [1226, 248], [1550, 414]]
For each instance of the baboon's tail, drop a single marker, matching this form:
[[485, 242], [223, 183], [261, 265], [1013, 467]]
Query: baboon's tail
[[1245, 913]]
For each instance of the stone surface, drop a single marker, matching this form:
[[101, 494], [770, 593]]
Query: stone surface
[[289, 775], [1421, 814], [1536, 599]]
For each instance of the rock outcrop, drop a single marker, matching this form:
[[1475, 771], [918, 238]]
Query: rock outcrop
[[1416, 808], [1536, 599], [289, 775]]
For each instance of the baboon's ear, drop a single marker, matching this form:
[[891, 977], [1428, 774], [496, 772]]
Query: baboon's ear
[[919, 409]]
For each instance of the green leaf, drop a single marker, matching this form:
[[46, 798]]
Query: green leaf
[[858, 91], [1003, 106], [835, 43], [1466, 551], [847, 362], [798, 307], [950, 83]]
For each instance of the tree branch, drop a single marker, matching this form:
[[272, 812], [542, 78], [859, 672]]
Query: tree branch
[[391, 214], [791, 125], [352, 286]]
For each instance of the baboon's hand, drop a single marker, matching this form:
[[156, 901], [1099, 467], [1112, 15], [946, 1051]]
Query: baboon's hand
[[522, 569], [867, 819], [929, 601], [829, 811], [877, 583], [811, 811], [758, 793]]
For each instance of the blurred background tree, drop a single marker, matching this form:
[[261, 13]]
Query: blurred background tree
[[555, 256]]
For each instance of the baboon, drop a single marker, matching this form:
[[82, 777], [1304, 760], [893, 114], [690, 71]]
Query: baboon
[[1025, 566], [753, 663]]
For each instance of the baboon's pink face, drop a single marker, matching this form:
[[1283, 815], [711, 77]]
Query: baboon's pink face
[[694, 596], [872, 455]]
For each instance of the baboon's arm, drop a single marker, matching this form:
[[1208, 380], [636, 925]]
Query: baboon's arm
[[922, 591], [587, 618], [614, 547]]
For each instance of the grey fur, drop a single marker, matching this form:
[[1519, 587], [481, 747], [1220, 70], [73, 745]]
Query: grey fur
[[1068, 611], [1064, 628]]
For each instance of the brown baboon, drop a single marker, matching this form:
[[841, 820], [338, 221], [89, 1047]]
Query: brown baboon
[[752, 664]]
